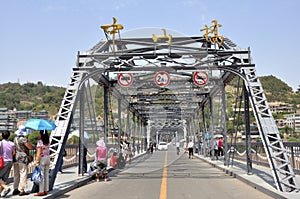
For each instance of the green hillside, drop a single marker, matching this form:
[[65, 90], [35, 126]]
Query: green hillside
[[36, 97], [30, 96]]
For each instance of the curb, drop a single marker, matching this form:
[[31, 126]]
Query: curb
[[63, 190]]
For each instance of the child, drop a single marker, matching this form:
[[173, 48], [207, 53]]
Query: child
[[113, 160]]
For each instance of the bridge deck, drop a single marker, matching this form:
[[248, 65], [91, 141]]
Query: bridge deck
[[198, 173]]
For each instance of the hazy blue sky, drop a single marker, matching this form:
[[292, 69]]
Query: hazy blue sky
[[39, 39]]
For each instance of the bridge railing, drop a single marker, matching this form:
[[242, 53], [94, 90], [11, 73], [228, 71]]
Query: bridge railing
[[259, 156], [70, 160]]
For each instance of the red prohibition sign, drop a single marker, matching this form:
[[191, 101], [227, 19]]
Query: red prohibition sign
[[125, 79], [162, 78], [200, 78]]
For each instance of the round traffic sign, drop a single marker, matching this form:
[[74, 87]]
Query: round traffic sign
[[162, 78], [125, 79], [200, 78]]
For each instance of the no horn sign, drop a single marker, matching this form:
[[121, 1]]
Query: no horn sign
[[200, 78], [125, 79]]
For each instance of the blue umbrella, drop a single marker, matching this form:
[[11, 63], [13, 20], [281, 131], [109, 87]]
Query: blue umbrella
[[39, 124]]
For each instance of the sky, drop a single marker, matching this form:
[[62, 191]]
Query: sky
[[40, 39]]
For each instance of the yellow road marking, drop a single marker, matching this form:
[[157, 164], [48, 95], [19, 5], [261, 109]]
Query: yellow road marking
[[163, 187]]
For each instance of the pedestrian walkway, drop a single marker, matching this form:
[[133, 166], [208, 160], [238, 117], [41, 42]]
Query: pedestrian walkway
[[64, 182], [261, 177]]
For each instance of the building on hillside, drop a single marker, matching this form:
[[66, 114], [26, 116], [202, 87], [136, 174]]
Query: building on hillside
[[10, 119], [280, 107], [293, 121], [23, 115], [43, 114], [7, 123]]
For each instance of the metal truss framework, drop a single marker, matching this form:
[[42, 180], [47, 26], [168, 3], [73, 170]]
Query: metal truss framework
[[176, 105]]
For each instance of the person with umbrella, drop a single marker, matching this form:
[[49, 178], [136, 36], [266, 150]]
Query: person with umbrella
[[20, 165], [43, 160]]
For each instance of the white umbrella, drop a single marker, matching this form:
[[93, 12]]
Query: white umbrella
[[76, 133], [218, 136]]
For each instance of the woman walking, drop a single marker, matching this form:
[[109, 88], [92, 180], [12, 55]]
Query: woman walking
[[7, 151], [43, 160]]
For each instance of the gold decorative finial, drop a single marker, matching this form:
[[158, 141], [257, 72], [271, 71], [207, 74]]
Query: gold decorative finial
[[112, 29], [213, 29], [164, 36]]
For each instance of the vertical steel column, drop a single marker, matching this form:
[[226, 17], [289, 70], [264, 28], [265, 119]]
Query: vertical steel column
[[81, 130], [187, 138], [134, 130], [211, 125], [203, 131], [138, 133], [145, 136], [105, 106], [198, 131], [225, 145], [203, 119], [128, 129], [247, 128], [119, 123]]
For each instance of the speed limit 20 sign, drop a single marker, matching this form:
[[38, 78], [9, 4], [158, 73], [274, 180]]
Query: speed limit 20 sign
[[162, 78], [200, 78]]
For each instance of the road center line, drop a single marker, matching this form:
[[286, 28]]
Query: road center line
[[163, 187]]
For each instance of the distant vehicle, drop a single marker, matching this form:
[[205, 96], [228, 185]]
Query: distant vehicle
[[162, 146]]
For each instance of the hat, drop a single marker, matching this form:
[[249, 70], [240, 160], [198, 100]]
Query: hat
[[100, 143], [21, 131]]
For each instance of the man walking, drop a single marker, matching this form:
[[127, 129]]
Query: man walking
[[191, 149]]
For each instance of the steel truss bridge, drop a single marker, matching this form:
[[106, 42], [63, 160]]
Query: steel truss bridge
[[163, 91]]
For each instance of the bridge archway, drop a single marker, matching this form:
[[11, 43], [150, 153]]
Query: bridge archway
[[164, 81]]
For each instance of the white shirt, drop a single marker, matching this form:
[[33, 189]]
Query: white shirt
[[190, 144]]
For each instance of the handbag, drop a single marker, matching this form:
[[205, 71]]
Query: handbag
[[37, 175], [1, 162], [1, 158], [29, 158]]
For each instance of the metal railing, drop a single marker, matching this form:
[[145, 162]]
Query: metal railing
[[70, 160], [259, 156]]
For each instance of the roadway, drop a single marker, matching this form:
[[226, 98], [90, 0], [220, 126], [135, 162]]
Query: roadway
[[164, 174]]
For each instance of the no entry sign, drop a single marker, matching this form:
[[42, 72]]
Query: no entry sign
[[162, 78], [125, 79], [200, 78]]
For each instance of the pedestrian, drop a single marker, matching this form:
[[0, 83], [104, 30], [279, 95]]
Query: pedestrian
[[61, 161], [20, 164], [84, 165], [177, 147], [101, 152], [7, 150], [220, 147], [216, 149], [151, 147], [191, 149], [43, 160], [113, 160], [130, 153]]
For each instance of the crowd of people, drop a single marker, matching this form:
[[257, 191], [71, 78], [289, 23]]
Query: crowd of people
[[16, 155]]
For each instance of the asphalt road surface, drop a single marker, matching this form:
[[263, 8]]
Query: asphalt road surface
[[166, 175]]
